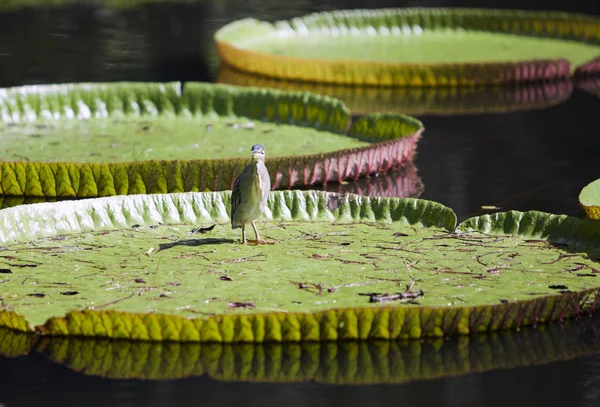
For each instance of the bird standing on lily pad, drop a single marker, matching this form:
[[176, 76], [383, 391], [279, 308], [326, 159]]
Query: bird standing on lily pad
[[250, 192]]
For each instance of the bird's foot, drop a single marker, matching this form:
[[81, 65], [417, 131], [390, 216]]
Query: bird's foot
[[263, 242], [244, 242]]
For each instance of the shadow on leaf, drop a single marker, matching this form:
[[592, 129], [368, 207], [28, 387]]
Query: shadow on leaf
[[194, 242]]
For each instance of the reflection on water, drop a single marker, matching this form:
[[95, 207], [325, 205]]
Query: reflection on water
[[590, 84], [418, 101], [402, 182], [538, 159], [48, 364]]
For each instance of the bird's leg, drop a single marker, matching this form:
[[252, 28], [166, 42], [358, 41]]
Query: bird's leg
[[244, 234], [256, 233]]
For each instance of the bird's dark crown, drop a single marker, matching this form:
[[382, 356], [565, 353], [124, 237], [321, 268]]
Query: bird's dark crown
[[258, 148]]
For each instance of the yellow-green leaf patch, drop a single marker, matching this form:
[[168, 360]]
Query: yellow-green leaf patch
[[589, 198]]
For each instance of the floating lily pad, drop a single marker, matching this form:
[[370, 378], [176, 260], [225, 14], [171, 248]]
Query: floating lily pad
[[331, 363], [90, 140], [419, 101], [169, 267], [589, 198], [413, 46]]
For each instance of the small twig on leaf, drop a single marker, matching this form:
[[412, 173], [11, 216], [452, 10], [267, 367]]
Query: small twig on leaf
[[201, 230], [112, 302], [241, 259], [377, 297], [241, 305], [412, 278]]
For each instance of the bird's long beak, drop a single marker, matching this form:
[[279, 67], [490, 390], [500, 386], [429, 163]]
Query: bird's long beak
[[256, 154]]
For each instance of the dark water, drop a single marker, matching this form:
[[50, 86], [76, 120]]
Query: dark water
[[538, 159]]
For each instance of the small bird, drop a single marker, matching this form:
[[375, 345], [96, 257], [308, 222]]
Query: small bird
[[250, 192]]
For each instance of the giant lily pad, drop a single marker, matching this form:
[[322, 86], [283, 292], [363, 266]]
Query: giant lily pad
[[414, 46], [418, 101], [92, 140], [347, 362], [335, 267], [589, 198]]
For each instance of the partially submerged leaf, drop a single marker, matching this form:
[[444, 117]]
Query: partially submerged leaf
[[589, 198]]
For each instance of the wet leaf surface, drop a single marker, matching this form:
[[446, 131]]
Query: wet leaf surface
[[161, 138]]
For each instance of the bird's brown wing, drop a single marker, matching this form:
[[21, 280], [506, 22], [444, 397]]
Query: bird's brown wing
[[236, 195]]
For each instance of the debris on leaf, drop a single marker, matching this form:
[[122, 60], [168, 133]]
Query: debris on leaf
[[70, 292], [38, 295], [241, 305], [378, 297], [163, 296], [149, 251], [558, 287], [140, 280], [242, 259], [400, 234], [201, 230], [225, 278], [5, 271]]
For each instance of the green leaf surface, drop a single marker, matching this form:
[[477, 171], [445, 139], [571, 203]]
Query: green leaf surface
[[414, 46], [176, 138], [334, 266], [430, 47], [589, 198], [556, 229], [126, 122]]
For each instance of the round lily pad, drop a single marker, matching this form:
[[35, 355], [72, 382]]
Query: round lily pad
[[413, 46], [169, 267], [89, 140], [589, 198], [418, 101]]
